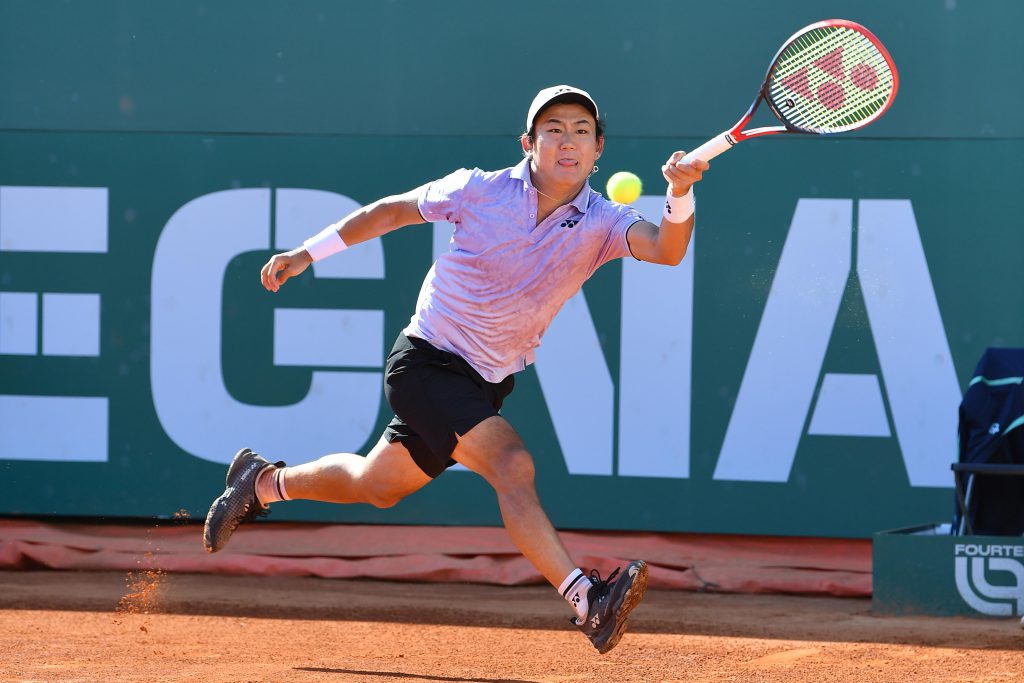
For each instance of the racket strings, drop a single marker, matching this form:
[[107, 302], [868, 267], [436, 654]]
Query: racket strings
[[829, 104], [863, 51], [806, 51], [825, 101], [814, 90]]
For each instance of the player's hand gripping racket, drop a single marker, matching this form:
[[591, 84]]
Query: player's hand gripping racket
[[829, 77]]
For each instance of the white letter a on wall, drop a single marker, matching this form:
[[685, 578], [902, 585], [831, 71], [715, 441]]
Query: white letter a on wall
[[786, 361]]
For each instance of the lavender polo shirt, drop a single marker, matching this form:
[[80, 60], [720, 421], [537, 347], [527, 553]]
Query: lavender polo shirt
[[492, 295]]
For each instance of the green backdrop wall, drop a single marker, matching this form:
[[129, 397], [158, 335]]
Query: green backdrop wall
[[799, 374]]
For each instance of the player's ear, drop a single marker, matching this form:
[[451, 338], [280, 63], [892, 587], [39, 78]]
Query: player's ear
[[527, 143]]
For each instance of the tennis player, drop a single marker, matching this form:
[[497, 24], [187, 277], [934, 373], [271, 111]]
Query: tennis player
[[526, 239]]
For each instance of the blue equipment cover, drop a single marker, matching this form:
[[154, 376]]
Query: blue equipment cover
[[991, 432]]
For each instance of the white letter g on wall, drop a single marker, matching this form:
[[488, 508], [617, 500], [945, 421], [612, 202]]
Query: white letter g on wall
[[191, 399]]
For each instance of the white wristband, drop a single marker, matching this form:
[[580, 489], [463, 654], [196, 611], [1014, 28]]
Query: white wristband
[[325, 243], [678, 209]]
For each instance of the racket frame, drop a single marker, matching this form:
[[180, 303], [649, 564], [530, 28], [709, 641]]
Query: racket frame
[[730, 137], [827, 23]]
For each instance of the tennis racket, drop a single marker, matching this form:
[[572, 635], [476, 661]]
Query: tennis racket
[[829, 77]]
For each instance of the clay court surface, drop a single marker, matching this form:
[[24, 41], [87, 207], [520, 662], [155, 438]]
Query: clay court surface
[[112, 626]]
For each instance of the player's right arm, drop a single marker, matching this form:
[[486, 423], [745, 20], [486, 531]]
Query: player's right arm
[[366, 223]]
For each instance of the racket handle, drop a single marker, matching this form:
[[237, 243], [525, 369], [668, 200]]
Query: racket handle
[[710, 149]]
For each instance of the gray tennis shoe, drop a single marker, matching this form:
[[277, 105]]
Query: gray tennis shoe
[[611, 601], [238, 503]]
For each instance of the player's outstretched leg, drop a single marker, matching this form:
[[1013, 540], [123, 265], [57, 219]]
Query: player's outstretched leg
[[611, 601], [238, 503]]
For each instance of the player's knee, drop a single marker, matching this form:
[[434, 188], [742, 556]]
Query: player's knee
[[513, 468], [382, 498], [379, 492]]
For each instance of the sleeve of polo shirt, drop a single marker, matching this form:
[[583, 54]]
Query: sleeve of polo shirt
[[441, 199], [619, 218]]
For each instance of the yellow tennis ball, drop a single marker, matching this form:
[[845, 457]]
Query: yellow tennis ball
[[624, 187]]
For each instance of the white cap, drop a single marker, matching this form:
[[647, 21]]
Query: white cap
[[545, 96]]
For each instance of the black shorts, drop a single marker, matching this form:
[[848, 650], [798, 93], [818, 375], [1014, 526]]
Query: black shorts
[[436, 395]]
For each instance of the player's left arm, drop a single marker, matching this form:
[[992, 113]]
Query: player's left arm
[[667, 243]]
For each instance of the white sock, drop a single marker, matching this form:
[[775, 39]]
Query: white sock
[[270, 486], [574, 589]]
